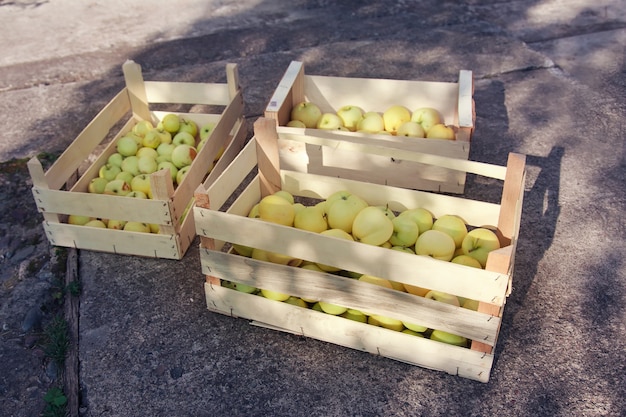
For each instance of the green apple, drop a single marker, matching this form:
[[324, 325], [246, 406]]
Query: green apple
[[79, 220], [183, 155], [274, 295], [131, 164], [449, 338], [372, 226], [386, 322], [170, 123], [388, 212], [116, 224], [435, 244], [470, 304], [356, 315], [248, 289], [427, 117], [452, 225], [182, 173], [276, 209], [394, 116], [115, 159], [350, 116], [412, 333], [403, 249], [466, 260], [125, 175], [306, 112], [286, 195], [297, 301], [165, 150], [145, 151], [205, 130], [184, 138], [96, 185], [421, 216], [296, 123], [478, 243], [164, 135], [342, 208], [441, 131], [242, 250], [138, 139], [96, 223], [329, 121], [372, 122], [443, 297], [152, 138], [415, 327], [142, 127], [108, 171], [137, 227], [141, 183], [117, 187], [381, 282], [333, 309], [189, 126], [298, 207], [279, 258], [147, 165], [171, 167], [339, 234], [316, 307], [311, 218], [411, 130], [137, 194], [405, 232]]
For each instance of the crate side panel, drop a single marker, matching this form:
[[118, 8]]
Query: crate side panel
[[360, 336], [187, 93]]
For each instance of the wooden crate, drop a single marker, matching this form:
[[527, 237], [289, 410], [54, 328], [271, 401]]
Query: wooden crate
[[453, 100], [167, 208], [220, 220]]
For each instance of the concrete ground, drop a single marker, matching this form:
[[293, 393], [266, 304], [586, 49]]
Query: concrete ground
[[549, 83]]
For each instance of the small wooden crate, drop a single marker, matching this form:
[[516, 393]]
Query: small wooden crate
[[453, 100], [218, 223], [167, 208]]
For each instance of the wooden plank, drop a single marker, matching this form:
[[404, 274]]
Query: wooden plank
[[87, 140], [187, 93], [113, 241], [347, 292], [424, 272], [232, 81], [512, 193], [289, 92], [40, 182], [136, 90], [466, 101], [394, 345], [268, 160], [162, 188], [103, 206]]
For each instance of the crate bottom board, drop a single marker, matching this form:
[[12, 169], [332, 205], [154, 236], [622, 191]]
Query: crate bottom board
[[115, 241], [399, 346]]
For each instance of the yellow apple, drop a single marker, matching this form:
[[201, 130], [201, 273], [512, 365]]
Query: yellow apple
[[259, 254], [117, 187], [356, 315], [427, 117], [310, 218], [449, 338], [109, 172], [145, 151], [96, 223], [452, 225], [411, 130], [412, 289], [279, 258], [333, 309], [79, 220], [131, 164], [350, 116], [316, 307], [421, 216], [341, 210], [296, 123], [97, 185], [405, 232], [170, 123], [124, 175], [152, 139], [306, 112], [275, 209], [415, 327], [372, 122], [137, 227], [286, 195], [386, 322], [478, 243], [116, 224], [394, 116], [242, 250], [441, 131], [381, 282], [254, 212], [296, 301], [183, 155], [403, 249], [466, 260], [274, 295], [245, 288], [141, 183], [412, 333], [142, 127], [329, 121], [435, 244], [147, 164], [372, 226], [470, 304], [443, 298]]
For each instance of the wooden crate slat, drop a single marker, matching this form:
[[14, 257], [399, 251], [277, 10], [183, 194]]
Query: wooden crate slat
[[398, 266], [466, 101], [113, 241], [187, 93], [348, 333], [136, 90]]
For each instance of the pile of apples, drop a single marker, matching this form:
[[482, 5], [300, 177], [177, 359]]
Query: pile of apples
[[347, 216], [172, 144], [397, 120]]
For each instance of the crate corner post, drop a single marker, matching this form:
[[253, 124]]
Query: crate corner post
[[268, 156], [136, 90]]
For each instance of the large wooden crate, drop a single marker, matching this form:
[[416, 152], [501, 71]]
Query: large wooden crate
[[168, 206], [220, 219], [454, 100]]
